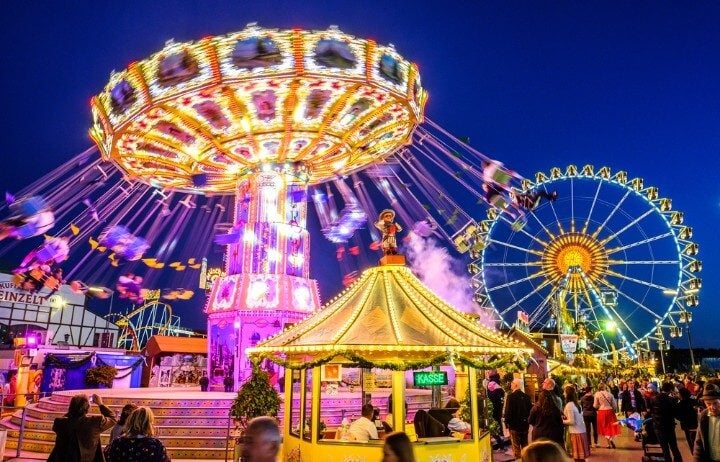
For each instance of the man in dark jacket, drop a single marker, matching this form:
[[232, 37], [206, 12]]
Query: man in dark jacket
[[78, 434], [707, 443], [664, 410], [228, 382], [631, 400], [517, 410]]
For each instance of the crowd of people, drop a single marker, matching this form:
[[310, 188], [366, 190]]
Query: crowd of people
[[563, 427], [583, 416]]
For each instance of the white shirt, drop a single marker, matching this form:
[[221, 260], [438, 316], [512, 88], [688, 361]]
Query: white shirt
[[573, 418], [363, 429], [457, 425]]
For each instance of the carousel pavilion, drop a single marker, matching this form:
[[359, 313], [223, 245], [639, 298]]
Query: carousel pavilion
[[387, 324]]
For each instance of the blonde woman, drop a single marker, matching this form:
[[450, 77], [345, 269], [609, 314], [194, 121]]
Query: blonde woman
[[138, 444]]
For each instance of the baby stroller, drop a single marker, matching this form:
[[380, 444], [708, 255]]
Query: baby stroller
[[652, 452]]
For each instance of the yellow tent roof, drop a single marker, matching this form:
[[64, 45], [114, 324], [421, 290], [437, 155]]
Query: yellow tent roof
[[387, 315]]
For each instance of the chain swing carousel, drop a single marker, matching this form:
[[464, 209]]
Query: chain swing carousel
[[388, 321]]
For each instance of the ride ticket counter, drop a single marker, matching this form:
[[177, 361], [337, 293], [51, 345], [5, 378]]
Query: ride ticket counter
[[387, 324], [311, 400]]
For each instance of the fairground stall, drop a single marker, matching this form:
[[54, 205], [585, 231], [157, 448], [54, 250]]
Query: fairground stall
[[363, 347]]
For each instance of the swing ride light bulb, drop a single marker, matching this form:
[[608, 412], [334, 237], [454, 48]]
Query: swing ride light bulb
[[299, 113], [296, 259], [273, 255], [245, 124], [610, 325], [249, 236]]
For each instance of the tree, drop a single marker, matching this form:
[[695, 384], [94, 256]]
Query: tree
[[100, 375], [255, 398]]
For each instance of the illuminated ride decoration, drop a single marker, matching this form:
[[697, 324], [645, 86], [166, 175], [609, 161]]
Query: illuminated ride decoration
[[137, 326], [204, 116], [260, 114], [30, 216], [609, 265]]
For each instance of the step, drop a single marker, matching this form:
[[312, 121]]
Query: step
[[174, 436], [163, 416], [192, 425], [160, 410], [175, 453]]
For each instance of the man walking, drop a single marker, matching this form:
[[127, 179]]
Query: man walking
[[631, 400], [664, 410], [517, 410], [707, 443]]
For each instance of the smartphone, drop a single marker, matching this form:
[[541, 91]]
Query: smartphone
[[91, 400]]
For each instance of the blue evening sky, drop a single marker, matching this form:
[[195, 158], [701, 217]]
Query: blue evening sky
[[536, 84]]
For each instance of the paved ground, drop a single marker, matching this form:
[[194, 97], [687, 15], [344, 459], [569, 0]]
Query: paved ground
[[628, 450]]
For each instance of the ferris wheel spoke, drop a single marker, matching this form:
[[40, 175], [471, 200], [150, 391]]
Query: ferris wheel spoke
[[609, 308], [572, 205], [557, 219], [611, 214], [592, 207], [547, 231], [598, 326], [637, 281], [641, 242], [611, 286], [537, 312], [522, 230], [516, 247], [643, 262], [530, 294], [516, 281], [626, 227], [504, 264]]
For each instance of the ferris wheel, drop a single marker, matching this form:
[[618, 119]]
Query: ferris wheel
[[607, 260]]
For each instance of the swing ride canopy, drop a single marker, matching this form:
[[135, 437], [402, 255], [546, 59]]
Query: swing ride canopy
[[202, 116], [389, 319]]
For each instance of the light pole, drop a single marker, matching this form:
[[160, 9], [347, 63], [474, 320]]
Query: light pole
[[685, 315]]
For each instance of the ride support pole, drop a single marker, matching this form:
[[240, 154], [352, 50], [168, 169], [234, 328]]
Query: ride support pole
[[22, 433]]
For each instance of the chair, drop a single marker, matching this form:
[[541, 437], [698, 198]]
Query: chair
[[443, 416], [427, 426], [419, 422]]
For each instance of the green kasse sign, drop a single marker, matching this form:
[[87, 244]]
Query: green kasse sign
[[430, 378]]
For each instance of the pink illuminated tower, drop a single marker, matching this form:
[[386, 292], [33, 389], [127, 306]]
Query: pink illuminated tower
[[267, 286]]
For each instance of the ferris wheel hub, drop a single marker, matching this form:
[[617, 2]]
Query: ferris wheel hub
[[574, 250]]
